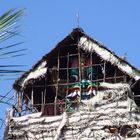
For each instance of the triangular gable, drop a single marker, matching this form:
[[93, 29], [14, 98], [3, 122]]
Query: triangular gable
[[86, 43]]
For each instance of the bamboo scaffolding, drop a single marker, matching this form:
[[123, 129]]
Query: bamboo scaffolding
[[101, 64], [65, 84], [57, 84]]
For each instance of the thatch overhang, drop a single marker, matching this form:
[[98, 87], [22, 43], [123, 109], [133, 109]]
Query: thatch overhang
[[77, 36]]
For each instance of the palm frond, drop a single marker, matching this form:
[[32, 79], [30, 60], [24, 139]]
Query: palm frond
[[12, 56], [9, 29], [11, 71], [4, 66], [12, 52], [11, 46], [8, 19]]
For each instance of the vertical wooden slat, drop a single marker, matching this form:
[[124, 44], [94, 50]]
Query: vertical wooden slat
[[67, 78], [79, 60], [124, 78], [32, 97], [91, 64], [104, 71], [57, 86], [44, 98], [115, 79], [42, 102]]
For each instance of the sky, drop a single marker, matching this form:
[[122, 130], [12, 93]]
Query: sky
[[114, 23]]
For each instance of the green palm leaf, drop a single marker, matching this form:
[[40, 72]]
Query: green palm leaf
[[9, 29]]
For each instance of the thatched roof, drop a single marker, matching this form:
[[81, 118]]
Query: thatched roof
[[86, 43], [109, 115]]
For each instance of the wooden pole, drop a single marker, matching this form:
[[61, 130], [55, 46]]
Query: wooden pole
[[57, 86], [104, 79], [42, 103], [79, 60], [125, 78], [32, 97], [19, 103], [14, 102], [91, 63], [115, 79], [67, 79]]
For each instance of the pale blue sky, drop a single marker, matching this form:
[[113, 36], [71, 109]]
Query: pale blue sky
[[115, 23]]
